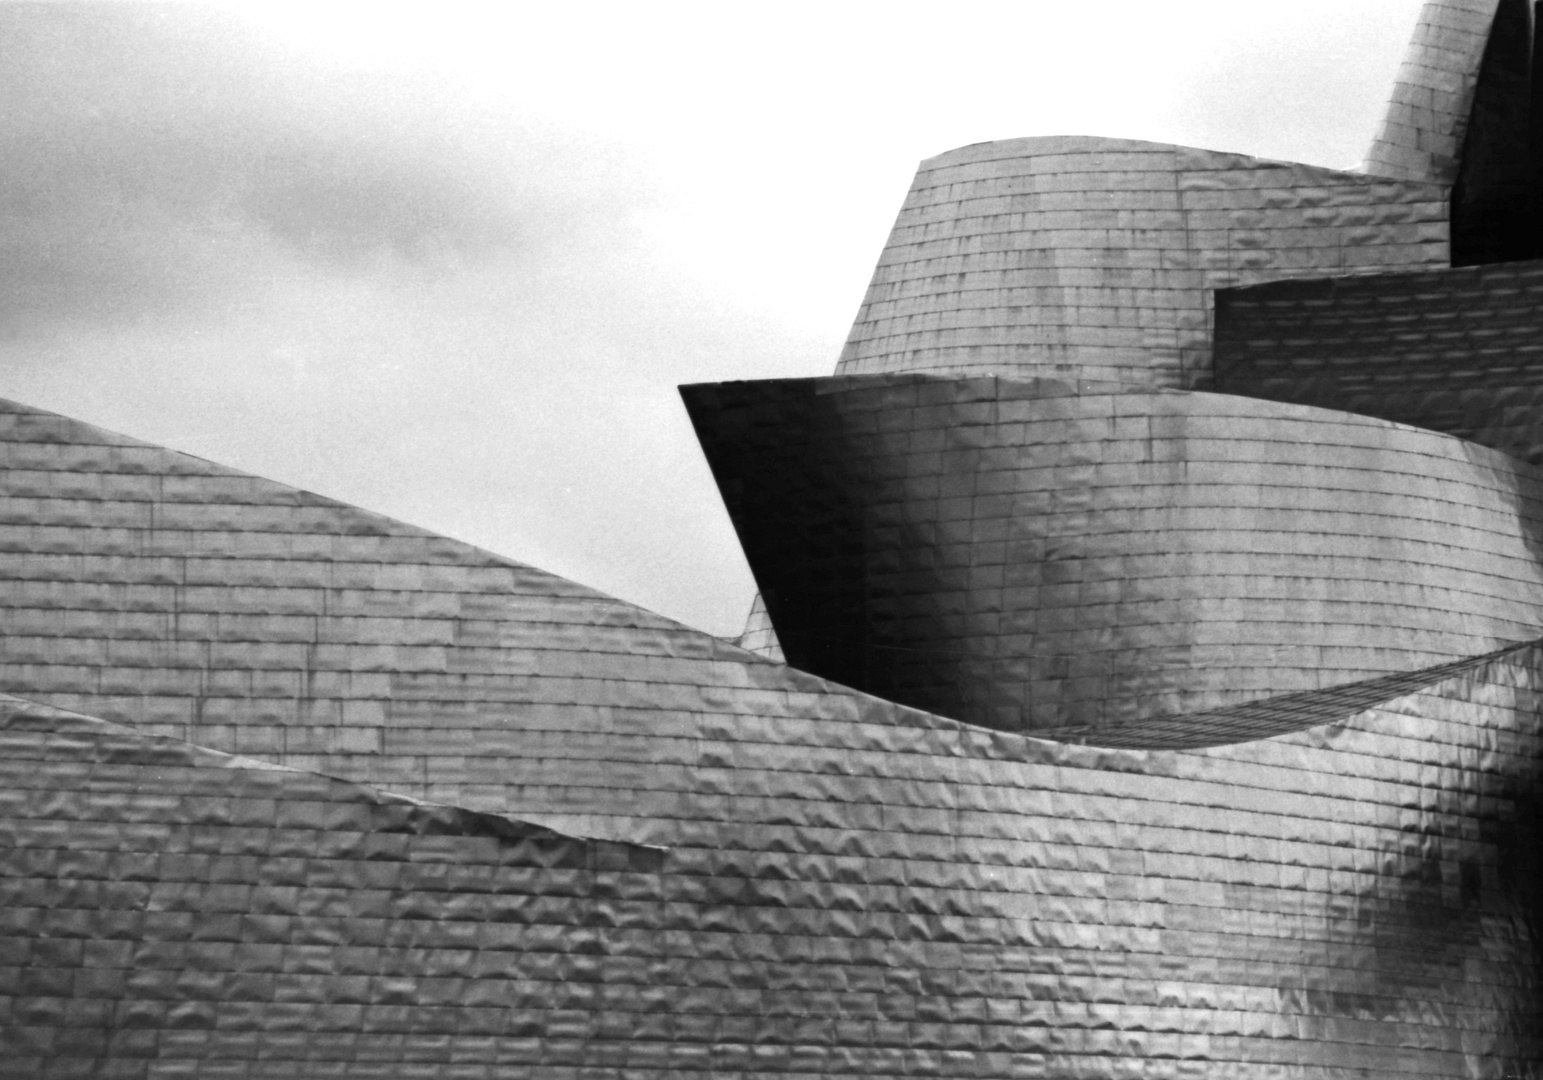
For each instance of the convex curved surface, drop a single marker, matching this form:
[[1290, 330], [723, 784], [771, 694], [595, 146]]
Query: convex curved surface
[[1027, 554], [1094, 258]]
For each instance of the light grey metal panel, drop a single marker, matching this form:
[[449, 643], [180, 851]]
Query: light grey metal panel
[[1094, 258], [1421, 135]]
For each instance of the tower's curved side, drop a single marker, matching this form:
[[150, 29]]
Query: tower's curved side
[[1094, 258], [1422, 133]]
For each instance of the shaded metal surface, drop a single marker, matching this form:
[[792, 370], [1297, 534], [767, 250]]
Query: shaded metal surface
[[1459, 351], [1266, 718], [1495, 201], [1094, 258], [863, 892], [1030, 554]]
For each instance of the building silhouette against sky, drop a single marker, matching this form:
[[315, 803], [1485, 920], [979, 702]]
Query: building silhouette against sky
[[1159, 578]]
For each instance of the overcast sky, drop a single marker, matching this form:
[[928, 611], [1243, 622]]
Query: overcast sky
[[450, 262]]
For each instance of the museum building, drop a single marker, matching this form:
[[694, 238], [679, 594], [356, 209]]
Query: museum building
[[1147, 678]]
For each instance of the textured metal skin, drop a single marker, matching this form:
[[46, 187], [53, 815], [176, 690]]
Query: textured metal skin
[[160, 590], [1286, 822], [1027, 554], [1459, 351], [858, 891], [1094, 258], [1421, 136]]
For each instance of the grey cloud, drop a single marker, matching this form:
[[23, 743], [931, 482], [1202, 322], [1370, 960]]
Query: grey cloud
[[149, 153], [339, 201]]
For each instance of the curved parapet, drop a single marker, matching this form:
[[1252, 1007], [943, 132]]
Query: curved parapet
[[878, 893], [1457, 350], [1094, 258], [1029, 554], [1421, 136]]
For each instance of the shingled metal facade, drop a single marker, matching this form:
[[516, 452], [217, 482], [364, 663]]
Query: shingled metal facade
[[1131, 729], [838, 887]]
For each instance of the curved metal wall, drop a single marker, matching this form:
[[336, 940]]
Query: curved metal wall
[[1093, 258], [190, 600], [861, 891], [1421, 135], [1027, 554]]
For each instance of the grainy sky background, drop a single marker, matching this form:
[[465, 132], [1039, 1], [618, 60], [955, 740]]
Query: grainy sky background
[[449, 262]]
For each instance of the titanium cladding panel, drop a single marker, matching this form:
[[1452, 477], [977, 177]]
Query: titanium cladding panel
[[1029, 554], [194, 601], [1228, 861], [1421, 136], [1457, 350], [1094, 258], [873, 893]]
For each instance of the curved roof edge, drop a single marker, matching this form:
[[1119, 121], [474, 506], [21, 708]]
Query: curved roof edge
[[1195, 157], [1049, 386]]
